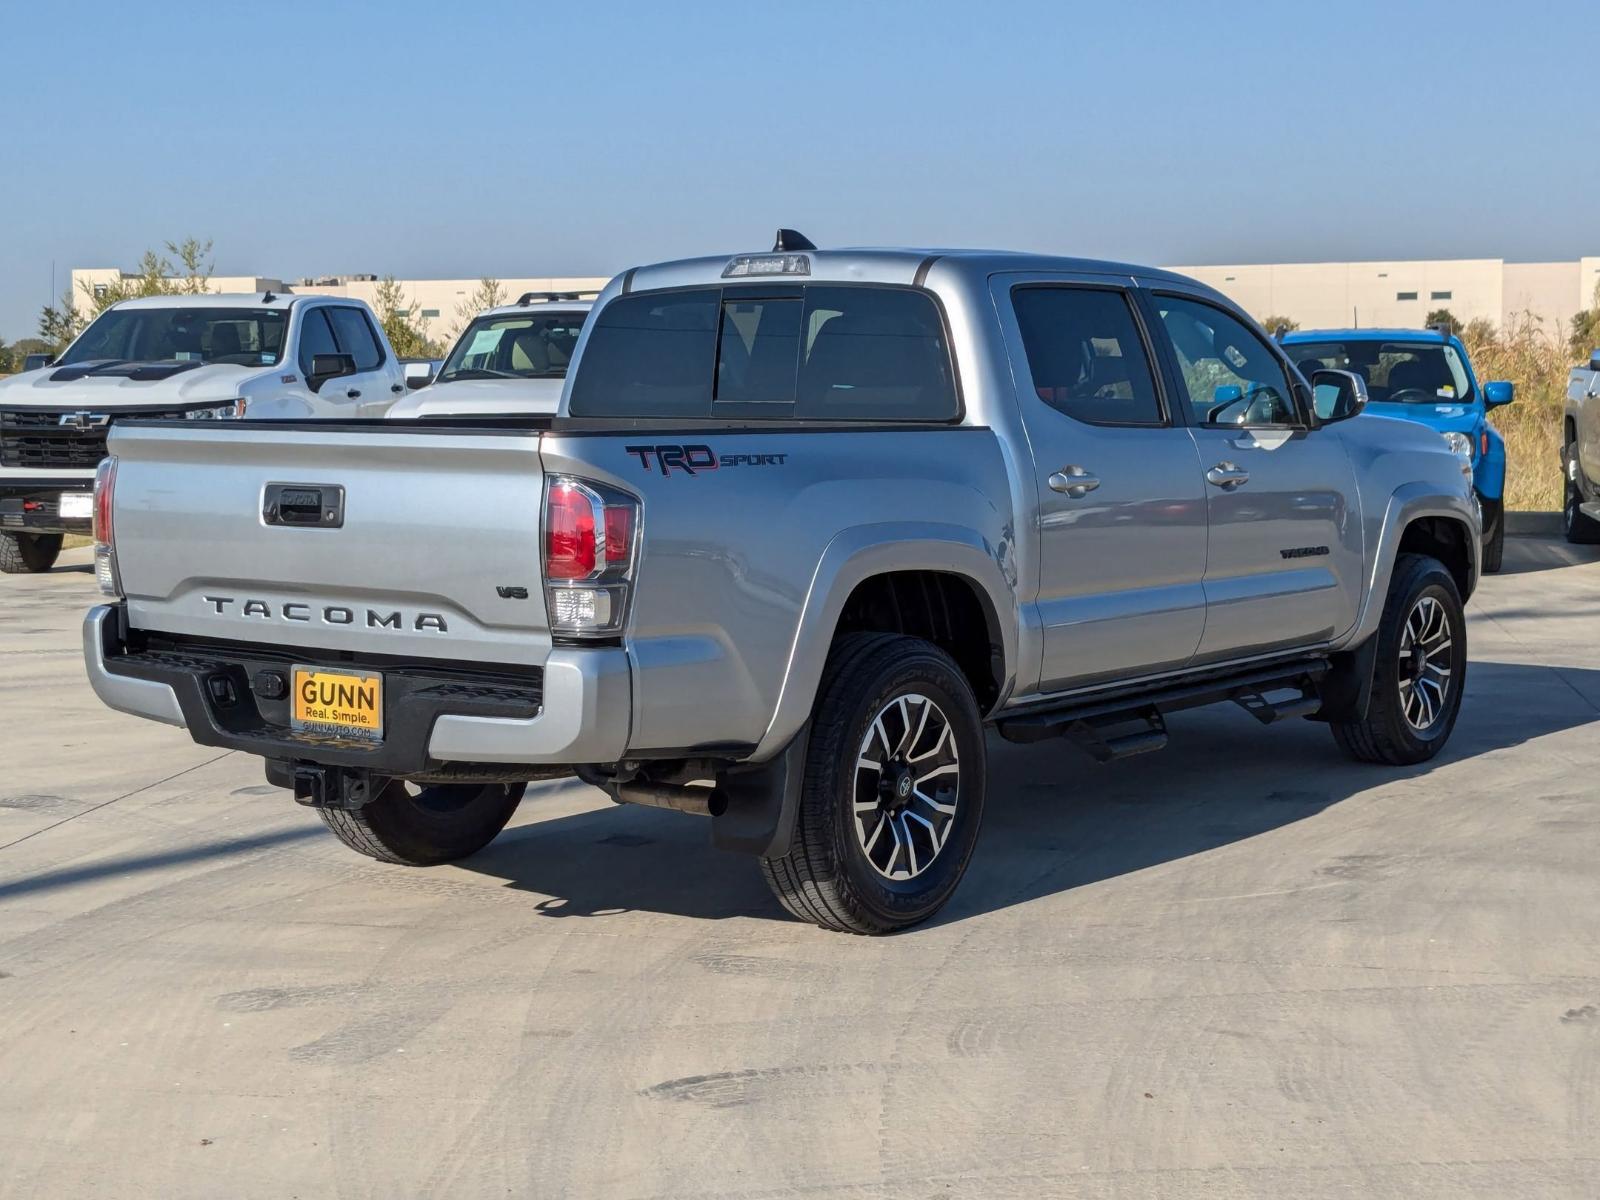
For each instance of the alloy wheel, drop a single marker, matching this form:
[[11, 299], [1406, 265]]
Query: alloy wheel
[[1426, 676], [907, 784]]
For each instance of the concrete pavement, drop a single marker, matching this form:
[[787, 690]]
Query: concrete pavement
[[1241, 967]]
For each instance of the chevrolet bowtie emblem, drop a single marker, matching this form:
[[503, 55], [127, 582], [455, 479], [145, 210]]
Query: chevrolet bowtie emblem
[[83, 421]]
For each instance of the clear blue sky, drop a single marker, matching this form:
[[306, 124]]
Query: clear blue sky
[[574, 136]]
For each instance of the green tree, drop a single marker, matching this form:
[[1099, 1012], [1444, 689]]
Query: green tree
[[1273, 323], [488, 294], [1443, 316], [59, 323], [408, 335], [157, 275]]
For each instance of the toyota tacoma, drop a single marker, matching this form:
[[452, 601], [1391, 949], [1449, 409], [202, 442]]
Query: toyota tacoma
[[805, 525]]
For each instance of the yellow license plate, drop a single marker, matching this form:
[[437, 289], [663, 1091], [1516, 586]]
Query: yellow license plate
[[338, 702]]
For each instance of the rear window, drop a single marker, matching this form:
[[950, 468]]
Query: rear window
[[850, 353]]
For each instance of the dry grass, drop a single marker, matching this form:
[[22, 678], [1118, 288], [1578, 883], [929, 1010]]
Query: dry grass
[[1538, 362]]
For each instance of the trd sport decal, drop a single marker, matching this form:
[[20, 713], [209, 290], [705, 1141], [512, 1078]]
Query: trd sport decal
[[692, 460], [1304, 551]]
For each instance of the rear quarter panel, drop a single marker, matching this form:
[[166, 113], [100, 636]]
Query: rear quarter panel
[[745, 565]]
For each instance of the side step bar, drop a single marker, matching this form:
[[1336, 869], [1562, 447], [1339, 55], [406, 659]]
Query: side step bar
[[1092, 722]]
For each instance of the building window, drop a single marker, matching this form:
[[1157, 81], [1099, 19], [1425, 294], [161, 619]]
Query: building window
[[1438, 295], [1405, 295], [429, 313]]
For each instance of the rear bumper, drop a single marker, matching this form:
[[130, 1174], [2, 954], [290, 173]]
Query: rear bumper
[[576, 711], [32, 508]]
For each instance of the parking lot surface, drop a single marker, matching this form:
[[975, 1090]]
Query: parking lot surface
[[1244, 966]]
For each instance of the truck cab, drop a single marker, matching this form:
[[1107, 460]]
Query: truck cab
[[509, 360]]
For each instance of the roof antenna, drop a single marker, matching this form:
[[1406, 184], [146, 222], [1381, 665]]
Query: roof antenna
[[788, 239], [267, 297]]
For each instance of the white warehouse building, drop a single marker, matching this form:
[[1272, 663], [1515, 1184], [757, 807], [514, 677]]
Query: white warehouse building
[[1316, 295]]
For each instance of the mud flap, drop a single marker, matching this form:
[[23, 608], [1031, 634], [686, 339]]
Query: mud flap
[[763, 802], [1346, 689]]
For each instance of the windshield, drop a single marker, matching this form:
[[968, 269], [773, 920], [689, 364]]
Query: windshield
[[1396, 372], [515, 346], [245, 336]]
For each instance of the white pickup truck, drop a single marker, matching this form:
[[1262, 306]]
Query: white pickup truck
[[191, 357], [509, 361]]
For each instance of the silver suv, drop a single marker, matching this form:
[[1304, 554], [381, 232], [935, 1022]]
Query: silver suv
[[806, 523]]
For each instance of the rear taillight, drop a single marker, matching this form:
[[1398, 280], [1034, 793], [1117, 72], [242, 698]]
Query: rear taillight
[[590, 541], [1483, 443], [105, 542]]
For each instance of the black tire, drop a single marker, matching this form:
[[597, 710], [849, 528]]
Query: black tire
[[28, 553], [422, 826], [1389, 734], [830, 876], [1494, 546], [1581, 530]]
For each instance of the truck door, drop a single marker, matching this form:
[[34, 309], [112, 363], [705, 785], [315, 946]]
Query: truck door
[[369, 389], [1285, 561], [1121, 505]]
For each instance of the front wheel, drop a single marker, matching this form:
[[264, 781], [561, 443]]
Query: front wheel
[[893, 790], [28, 553], [422, 826], [1420, 671], [1581, 530]]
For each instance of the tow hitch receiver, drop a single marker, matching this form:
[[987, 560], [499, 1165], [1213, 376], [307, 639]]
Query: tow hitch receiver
[[331, 787]]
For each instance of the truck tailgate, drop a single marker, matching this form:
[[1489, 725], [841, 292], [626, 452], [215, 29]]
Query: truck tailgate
[[435, 554]]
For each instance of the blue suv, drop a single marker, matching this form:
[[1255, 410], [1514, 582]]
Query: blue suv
[[1424, 376]]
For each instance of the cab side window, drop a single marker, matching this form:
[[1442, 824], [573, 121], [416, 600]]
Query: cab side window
[[316, 337], [1230, 375], [1086, 354], [356, 338]]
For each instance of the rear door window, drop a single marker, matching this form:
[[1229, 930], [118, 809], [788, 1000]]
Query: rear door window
[[804, 352], [1086, 355]]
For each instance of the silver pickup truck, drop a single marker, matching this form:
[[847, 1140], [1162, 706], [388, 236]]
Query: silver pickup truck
[[806, 523]]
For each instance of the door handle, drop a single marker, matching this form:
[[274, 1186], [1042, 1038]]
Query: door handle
[[1074, 481], [354, 394], [1227, 476], [396, 388]]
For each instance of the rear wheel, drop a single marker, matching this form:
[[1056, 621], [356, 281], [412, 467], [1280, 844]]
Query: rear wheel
[[424, 825], [1581, 530], [1420, 671], [28, 553], [1494, 545], [893, 792]]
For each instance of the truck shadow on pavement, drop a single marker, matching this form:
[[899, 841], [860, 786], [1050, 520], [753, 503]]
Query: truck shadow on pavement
[[1055, 819]]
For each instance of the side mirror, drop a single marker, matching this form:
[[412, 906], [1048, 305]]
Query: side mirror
[[1594, 360], [1499, 392], [420, 374], [32, 362], [329, 366], [1337, 395]]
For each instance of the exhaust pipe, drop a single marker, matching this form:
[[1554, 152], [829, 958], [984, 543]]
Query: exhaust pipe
[[702, 801]]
